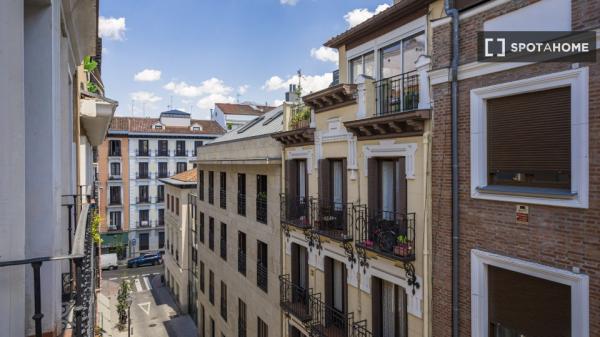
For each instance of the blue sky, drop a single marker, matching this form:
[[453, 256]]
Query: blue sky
[[196, 52]]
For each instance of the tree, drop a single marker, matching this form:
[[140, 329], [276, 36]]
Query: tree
[[122, 304]]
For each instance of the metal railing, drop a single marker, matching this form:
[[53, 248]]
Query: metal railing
[[261, 209], [143, 175], [397, 93], [143, 224], [242, 262], [142, 153], [359, 329], [114, 177], [223, 198], [388, 233], [182, 153], [164, 174], [114, 153], [327, 321], [114, 202], [241, 204], [145, 200], [163, 153], [262, 276], [113, 228], [293, 298], [295, 211], [332, 219], [82, 281]]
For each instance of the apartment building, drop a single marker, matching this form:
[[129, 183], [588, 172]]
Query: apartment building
[[178, 214], [135, 155], [356, 205], [50, 122], [527, 196], [233, 115], [237, 229]]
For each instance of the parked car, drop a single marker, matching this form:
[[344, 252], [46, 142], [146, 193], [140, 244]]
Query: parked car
[[145, 260], [109, 261]]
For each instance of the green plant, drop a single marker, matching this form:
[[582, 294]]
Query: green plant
[[122, 305], [402, 239], [262, 196], [300, 113], [89, 65], [91, 87], [229, 125], [95, 228]]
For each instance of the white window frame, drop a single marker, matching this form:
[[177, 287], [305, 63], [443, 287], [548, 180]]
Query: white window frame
[[578, 81], [578, 283]]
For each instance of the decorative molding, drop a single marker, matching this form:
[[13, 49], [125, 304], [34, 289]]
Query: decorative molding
[[480, 261], [302, 153], [578, 80], [469, 13], [387, 148]]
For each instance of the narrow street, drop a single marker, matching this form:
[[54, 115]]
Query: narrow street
[[153, 311]]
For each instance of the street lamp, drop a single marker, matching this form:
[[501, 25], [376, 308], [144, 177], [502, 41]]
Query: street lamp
[[129, 300]]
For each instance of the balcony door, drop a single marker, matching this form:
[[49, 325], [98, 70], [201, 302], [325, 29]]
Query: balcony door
[[336, 292], [333, 194], [299, 274], [389, 309]]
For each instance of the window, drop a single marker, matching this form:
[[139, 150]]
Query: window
[[337, 183], [203, 320], [161, 216], [223, 190], [177, 206], [115, 170], [336, 291], [263, 328], [201, 230], [242, 252], [163, 148], [143, 195], [262, 266], [143, 149], [224, 301], [163, 170], [241, 196], [388, 191], [261, 198], [181, 167], [299, 262], [362, 65], [168, 201], [211, 186], [115, 221], [223, 245], [172, 204], [114, 148], [180, 148], [160, 193], [197, 144], [389, 315], [548, 115], [241, 318], [115, 195], [142, 171], [202, 276], [401, 56], [211, 287], [211, 233], [212, 328], [144, 241], [144, 216], [161, 240], [201, 185]]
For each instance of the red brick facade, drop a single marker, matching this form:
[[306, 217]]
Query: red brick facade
[[555, 236]]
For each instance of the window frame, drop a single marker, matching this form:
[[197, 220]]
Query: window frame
[[578, 80]]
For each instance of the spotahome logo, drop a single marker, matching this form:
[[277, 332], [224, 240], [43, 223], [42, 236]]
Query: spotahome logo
[[536, 46]]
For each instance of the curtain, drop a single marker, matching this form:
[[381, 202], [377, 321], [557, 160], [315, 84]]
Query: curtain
[[388, 309], [301, 179], [387, 189], [338, 284], [303, 265], [337, 185]]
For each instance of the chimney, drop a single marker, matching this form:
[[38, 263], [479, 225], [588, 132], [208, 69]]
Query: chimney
[[291, 95]]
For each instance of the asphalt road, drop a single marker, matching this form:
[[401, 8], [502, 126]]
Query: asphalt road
[[123, 271]]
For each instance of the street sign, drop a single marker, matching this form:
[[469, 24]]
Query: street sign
[[133, 242]]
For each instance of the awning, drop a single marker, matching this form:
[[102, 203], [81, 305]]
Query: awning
[[114, 239]]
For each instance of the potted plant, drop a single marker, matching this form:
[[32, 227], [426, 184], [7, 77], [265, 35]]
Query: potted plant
[[368, 243], [402, 247]]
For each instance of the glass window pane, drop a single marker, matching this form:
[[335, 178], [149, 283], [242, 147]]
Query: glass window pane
[[369, 64], [412, 48], [391, 61], [355, 69]]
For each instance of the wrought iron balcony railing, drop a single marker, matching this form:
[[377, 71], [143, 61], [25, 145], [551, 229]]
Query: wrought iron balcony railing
[[114, 153], [115, 177], [391, 234], [295, 211], [81, 282], [142, 224], [332, 219], [293, 298], [143, 153], [241, 204], [163, 153], [182, 153], [261, 209], [164, 174], [359, 329], [145, 200], [327, 321], [114, 202], [397, 93], [143, 175], [114, 228]]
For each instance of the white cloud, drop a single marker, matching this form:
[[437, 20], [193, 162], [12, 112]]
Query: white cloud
[[209, 101], [309, 83], [277, 102], [243, 89], [213, 86], [147, 75], [288, 2], [111, 28], [359, 15], [144, 97], [325, 54]]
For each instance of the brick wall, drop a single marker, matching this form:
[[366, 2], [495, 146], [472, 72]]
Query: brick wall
[[555, 236]]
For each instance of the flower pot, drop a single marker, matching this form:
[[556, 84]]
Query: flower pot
[[368, 243], [402, 250]]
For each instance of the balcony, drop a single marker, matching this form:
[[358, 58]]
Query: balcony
[[115, 177], [327, 321], [145, 200], [241, 204], [359, 329], [163, 153], [115, 202], [143, 153], [332, 219], [397, 94], [182, 153], [293, 298], [164, 174], [261, 208], [114, 228], [390, 234], [159, 223], [114, 153], [142, 224], [295, 211], [143, 175]]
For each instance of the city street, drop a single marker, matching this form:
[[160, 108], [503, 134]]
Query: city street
[[153, 310]]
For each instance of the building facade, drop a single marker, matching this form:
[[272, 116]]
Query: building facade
[[178, 215], [356, 203], [237, 229], [135, 155], [50, 125], [233, 115], [527, 195]]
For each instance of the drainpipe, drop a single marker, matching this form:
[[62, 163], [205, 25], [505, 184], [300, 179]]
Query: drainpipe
[[453, 13]]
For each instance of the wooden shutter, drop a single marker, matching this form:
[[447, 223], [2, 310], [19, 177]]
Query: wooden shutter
[[329, 282], [376, 305], [291, 175], [344, 180], [295, 264], [324, 180], [373, 183], [530, 134], [401, 188]]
